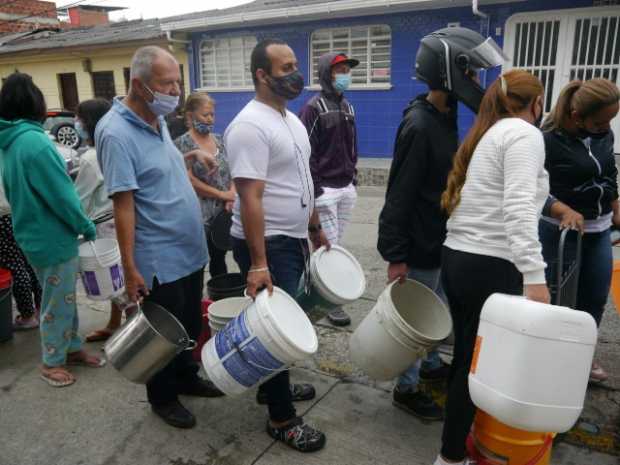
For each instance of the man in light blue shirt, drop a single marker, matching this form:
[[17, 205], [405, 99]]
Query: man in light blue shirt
[[157, 216]]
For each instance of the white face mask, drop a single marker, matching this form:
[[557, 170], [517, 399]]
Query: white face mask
[[162, 104]]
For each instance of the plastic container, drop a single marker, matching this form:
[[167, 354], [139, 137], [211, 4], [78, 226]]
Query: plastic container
[[531, 363], [101, 269], [494, 443], [615, 285], [6, 305], [337, 276], [408, 320], [267, 337], [225, 285]]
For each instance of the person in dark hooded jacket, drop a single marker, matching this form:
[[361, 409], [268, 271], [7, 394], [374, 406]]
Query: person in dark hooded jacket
[[330, 121], [412, 225]]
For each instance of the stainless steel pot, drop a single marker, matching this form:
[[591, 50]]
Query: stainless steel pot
[[146, 343]]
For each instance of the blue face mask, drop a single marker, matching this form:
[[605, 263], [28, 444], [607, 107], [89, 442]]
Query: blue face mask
[[162, 104], [342, 82], [81, 132], [202, 128]]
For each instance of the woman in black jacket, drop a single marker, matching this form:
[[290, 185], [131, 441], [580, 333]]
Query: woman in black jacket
[[583, 188]]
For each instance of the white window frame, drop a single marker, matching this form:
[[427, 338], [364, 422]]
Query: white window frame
[[246, 61], [354, 86]]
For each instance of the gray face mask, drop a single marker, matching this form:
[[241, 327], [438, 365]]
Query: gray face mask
[[162, 104]]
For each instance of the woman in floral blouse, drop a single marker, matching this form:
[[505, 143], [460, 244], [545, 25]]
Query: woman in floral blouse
[[215, 190]]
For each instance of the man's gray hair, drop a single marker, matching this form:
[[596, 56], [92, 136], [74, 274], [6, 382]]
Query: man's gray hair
[[142, 62]]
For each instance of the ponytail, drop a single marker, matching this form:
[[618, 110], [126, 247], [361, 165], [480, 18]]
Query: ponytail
[[584, 97]]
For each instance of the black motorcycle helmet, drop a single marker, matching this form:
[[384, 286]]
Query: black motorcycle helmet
[[449, 59]]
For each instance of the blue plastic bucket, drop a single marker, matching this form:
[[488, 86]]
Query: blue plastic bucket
[[266, 338]]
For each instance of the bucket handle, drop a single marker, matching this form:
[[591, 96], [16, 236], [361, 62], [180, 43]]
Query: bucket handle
[[242, 355], [94, 249]]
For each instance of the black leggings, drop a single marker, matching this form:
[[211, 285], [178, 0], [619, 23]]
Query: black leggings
[[468, 280]]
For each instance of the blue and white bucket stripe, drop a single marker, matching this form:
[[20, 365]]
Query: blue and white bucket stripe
[[243, 355]]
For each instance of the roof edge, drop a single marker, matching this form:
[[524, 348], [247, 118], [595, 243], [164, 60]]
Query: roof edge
[[324, 10]]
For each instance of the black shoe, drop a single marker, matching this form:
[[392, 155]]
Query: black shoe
[[200, 388], [299, 392], [298, 436], [417, 403], [438, 374], [338, 317], [175, 414]]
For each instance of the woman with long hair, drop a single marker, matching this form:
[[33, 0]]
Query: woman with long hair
[[494, 196], [584, 189]]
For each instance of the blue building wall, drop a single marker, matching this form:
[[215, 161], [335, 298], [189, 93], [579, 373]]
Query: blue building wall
[[378, 112]]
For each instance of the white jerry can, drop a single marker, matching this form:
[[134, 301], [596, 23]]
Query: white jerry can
[[531, 363]]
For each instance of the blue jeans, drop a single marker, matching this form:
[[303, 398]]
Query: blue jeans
[[409, 380], [596, 266], [285, 256]]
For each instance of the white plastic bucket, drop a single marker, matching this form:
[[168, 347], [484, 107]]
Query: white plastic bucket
[[269, 335], [337, 276], [531, 363], [407, 321], [101, 269]]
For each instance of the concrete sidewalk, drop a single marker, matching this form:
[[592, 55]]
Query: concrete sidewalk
[[105, 420]]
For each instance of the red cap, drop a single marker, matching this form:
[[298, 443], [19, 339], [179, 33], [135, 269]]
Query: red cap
[[342, 58]]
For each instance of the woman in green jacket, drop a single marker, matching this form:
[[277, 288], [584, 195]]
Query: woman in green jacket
[[47, 220]]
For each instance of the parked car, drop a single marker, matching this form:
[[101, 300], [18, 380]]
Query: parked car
[[60, 125]]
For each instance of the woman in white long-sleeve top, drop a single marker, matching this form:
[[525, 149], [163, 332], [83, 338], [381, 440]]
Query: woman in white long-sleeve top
[[495, 194]]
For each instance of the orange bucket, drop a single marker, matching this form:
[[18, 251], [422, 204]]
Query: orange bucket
[[615, 285], [494, 443]]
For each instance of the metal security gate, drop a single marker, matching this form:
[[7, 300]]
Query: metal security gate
[[559, 46]]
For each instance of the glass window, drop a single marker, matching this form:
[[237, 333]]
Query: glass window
[[371, 45], [225, 62]]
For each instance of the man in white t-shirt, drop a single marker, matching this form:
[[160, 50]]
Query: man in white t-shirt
[[269, 152]]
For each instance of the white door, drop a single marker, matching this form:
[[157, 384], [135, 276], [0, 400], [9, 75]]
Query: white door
[[562, 45]]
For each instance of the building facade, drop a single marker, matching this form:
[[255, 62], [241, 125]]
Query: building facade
[[558, 40], [82, 63]]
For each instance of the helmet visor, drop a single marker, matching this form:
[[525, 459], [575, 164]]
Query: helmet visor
[[488, 54]]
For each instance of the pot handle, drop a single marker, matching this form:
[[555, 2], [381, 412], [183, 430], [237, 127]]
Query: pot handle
[[191, 345]]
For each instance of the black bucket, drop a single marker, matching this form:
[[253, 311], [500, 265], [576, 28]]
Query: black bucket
[[225, 285], [6, 314]]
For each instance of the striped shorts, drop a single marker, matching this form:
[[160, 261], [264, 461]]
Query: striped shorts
[[335, 207]]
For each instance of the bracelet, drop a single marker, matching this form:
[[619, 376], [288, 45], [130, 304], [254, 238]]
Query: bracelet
[[314, 228], [258, 270]]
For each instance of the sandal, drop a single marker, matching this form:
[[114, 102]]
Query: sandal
[[57, 376], [24, 324], [82, 358], [99, 335]]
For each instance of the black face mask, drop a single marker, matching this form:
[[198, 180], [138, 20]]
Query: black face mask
[[289, 86], [584, 134]]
